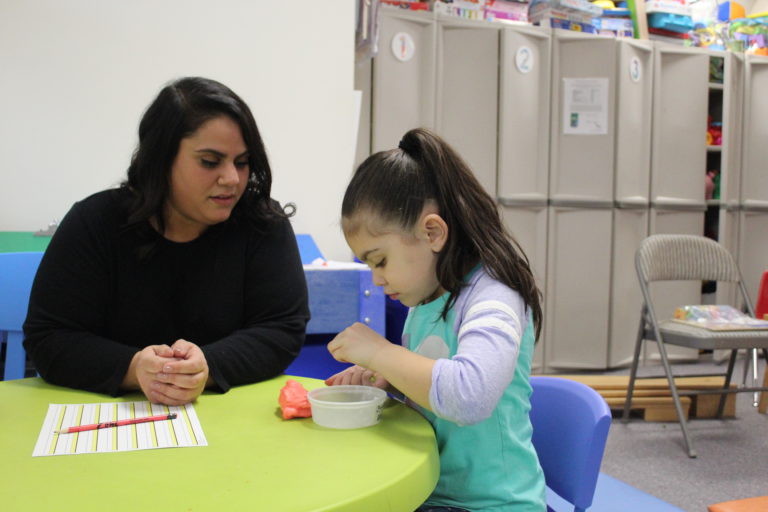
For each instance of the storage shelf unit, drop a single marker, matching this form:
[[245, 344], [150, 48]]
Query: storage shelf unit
[[753, 204], [580, 204]]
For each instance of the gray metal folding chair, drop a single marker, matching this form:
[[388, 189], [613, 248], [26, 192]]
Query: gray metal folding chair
[[689, 258]]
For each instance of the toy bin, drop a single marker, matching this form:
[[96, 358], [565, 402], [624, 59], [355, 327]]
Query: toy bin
[[671, 22]]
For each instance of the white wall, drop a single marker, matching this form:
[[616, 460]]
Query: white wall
[[756, 6], [76, 76]]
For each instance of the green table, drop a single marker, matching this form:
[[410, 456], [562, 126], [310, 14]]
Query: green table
[[254, 460], [22, 241]]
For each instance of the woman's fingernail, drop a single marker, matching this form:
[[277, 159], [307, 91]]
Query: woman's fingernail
[[167, 369]]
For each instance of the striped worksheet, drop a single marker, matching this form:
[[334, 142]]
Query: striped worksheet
[[183, 431]]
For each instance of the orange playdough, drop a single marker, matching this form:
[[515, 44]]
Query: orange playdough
[[293, 401]]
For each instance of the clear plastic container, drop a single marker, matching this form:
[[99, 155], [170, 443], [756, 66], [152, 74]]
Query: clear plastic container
[[346, 407]]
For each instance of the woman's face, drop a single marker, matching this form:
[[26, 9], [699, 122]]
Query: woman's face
[[208, 177]]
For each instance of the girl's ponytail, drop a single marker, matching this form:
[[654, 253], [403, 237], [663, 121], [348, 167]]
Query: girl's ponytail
[[396, 185]]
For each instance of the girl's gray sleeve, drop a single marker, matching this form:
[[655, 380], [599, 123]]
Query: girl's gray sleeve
[[467, 387]]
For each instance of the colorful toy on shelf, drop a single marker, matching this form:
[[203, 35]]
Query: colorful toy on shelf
[[714, 132], [748, 35], [710, 180], [411, 5], [715, 36], [669, 15], [730, 10], [604, 4], [718, 318], [577, 15], [615, 21], [716, 70], [469, 9], [506, 10]]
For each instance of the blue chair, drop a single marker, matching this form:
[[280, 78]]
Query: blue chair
[[337, 299], [17, 271], [570, 426]]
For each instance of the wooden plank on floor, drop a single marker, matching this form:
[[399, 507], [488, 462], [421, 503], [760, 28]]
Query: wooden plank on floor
[[614, 389], [705, 406], [661, 408], [600, 382]]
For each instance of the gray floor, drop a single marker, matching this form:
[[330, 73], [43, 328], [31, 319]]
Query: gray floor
[[732, 458]]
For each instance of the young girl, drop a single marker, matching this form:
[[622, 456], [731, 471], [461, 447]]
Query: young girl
[[434, 240]]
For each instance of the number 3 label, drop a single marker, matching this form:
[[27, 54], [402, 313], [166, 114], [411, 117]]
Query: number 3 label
[[635, 69]]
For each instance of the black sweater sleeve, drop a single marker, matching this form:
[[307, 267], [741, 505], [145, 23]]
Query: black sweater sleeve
[[275, 314], [237, 292], [68, 308]]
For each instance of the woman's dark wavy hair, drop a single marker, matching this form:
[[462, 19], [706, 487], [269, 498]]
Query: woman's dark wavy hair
[[395, 185], [179, 110]]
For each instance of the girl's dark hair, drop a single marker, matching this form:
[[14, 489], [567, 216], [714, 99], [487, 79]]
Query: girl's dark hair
[[179, 110], [395, 185]]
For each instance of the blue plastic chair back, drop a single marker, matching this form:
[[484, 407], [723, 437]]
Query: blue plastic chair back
[[570, 426], [17, 271], [308, 249]]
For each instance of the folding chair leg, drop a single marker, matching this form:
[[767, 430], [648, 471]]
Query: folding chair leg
[[633, 371], [679, 408], [756, 394], [762, 407], [726, 385]]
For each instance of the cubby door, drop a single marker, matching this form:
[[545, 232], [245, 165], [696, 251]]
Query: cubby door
[[680, 97], [583, 117], [578, 288], [733, 130], [753, 255], [634, 97], [524, 78], [630, 228], [754, 174], [528, 226], [467, 93], [728, 236], [403, 85]]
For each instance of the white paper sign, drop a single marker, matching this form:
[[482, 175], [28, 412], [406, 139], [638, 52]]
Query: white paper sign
[[585, 106]]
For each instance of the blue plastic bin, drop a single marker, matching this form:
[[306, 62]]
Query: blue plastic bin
[[671, 22]]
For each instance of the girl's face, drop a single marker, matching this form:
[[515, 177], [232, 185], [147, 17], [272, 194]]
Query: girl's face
[[403, 263], [208, 177]]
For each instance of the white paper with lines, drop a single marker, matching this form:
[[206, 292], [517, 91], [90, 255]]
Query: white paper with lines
[[183, 431]]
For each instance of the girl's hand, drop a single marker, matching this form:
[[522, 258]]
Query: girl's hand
[[404, 370], [358, 344], [358, 376]]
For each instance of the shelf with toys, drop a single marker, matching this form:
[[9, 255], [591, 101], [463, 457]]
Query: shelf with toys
[[497, 89]]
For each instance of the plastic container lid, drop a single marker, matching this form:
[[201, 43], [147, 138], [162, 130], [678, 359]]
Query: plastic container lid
[[346, 407]]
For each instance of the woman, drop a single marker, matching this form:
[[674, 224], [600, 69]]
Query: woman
[[185, 277]]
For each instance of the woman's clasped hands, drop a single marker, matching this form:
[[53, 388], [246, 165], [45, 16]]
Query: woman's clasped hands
[[173, 375]]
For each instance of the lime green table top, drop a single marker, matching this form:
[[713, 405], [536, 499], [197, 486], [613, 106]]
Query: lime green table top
[[22, 241], [254, 460]]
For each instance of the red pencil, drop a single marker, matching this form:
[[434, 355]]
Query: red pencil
[[119, 423]]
